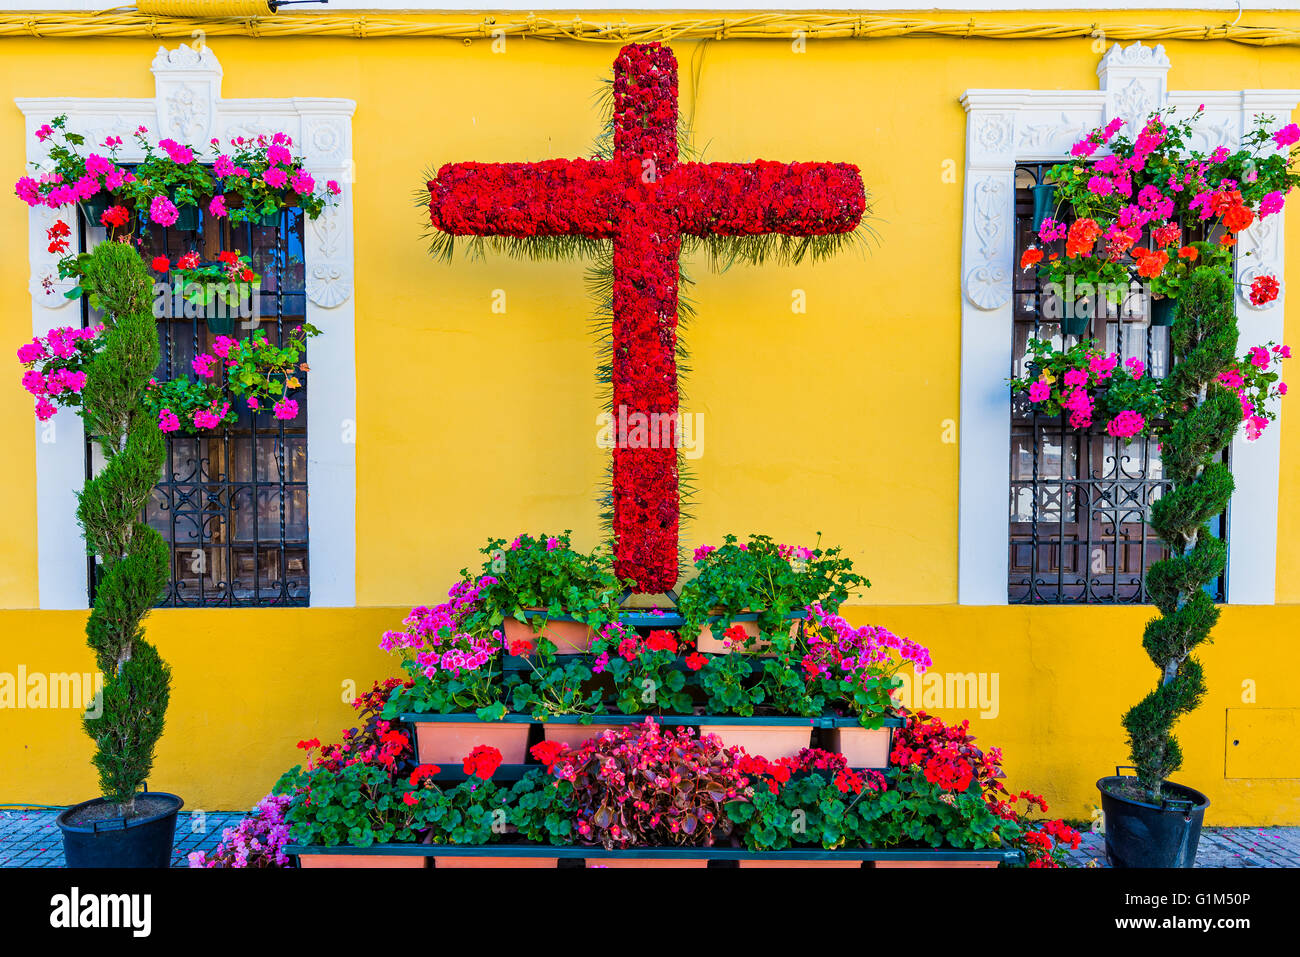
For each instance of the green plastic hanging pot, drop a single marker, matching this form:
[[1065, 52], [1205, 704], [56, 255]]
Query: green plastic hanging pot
[[1163, 311], [1044, 203], [269, 219], [1074, 325], [95, 207], [187, 218], [221, 325]]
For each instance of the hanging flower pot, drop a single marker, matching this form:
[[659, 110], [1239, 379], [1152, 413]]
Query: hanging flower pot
[[1073, 324], [188, 216], [95, 207], [269, 219], [1044, 203], [220, 325], [1163, 311]]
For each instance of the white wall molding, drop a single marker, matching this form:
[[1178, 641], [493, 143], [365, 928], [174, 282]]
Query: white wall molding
[[1006, 127], [188, 106]]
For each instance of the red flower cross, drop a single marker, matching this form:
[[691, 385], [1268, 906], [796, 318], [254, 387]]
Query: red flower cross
[[644, 200]]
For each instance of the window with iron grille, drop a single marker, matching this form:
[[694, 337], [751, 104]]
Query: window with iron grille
[[232, 503], [1080, 497]]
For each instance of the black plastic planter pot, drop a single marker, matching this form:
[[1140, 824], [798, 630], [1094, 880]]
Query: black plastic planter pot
[[1141, 834], [144, 841]]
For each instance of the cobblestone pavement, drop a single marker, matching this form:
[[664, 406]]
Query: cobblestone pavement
[[1219, 847], [30, 838]]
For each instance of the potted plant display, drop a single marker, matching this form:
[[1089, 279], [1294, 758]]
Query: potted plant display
[[545, 592], [1139, 201], [220, 291], [452, 654], [127, 826], [95, 182], [856, 669], [261, 375], [761, 587], [259, 177], [170, 185], [1150, 820]]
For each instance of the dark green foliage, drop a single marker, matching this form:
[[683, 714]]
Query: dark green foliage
[[1204, 344], [133, 557]]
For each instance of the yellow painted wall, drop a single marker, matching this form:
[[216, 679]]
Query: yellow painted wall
[[474, 424]]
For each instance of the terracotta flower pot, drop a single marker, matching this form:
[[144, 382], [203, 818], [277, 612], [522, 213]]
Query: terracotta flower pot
[[466, 861], [937, 863], [447, 742], [769, 741], [751, 863], [862, 747], [569, 637], [622, 862], [574, 735], [710, 644], [361, 860]]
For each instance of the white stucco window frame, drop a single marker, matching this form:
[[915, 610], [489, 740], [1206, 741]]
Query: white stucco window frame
[[1006, 127], [188, 106]]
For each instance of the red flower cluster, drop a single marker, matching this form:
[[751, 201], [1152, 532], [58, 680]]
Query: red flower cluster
[[548, 752], [482, 762], [58, 236], [1264, 290], [644, 201], [422, 772], [774, 774], [115, 216], [375, 741], [947, 755]]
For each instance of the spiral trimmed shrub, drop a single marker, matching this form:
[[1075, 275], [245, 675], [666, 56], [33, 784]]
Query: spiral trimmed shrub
[[1203, 343], [132, 557]]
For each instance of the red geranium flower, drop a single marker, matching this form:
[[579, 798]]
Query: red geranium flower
[[422, 772], [482, 762], [548, 752], [1031, 257], [161, 264], [115, 216], [1264, 290], [661, 641]]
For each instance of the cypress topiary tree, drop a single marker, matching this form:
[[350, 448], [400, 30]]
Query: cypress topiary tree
[[1203, 343], [134, 558]]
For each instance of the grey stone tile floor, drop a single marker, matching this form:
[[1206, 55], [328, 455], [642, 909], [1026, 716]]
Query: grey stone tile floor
[[30, 838]]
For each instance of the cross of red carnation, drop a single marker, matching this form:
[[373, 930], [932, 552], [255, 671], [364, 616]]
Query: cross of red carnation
[[644, 200]]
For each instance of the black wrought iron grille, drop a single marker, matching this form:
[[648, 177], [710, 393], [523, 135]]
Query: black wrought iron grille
[[232, 504], [1080, 498]]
